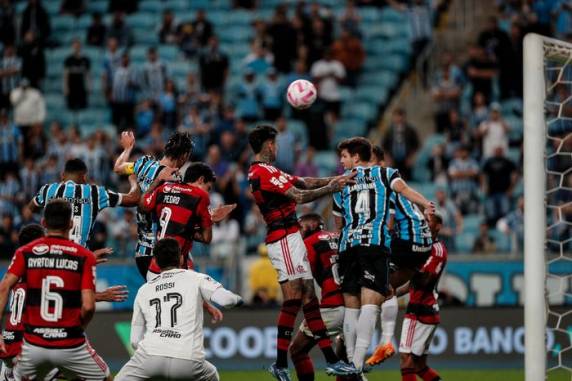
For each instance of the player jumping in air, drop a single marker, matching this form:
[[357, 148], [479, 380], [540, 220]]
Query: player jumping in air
[[276, 193], [362, 213], [422, 314], [60, 300], [167, 323], [410, 247]]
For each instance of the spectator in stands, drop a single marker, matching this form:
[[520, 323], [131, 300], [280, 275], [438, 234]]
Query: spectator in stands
[[121, 232], [11, 144], [144, 118], [27, 217], [199, 129], [111, 61], [213, 66], [153, 76], [33, 59], [35, 142], [29, 178], [72, 7], [247, 98], [50, 171], [190, 95], [120, 30], [202, 28], [76, 78], [272, 95], [464, 173], [479, 111], [480, 71], [499, 178], [349, 51], [7, 23], [123, 94], [497, 44], [8, 237], [124, 6], [258, 60], [168, 105], [29, 106], [10, 70], [515, 80], [419, 13], [562, 12], [96, 160], [229, 150], [457, 133], [246, 4], [493, 132], [319, 41], [261, 35], [168, 29], [97, 31], [513, 225], [446, 93], [59, 146], [438, 165], [452, 218], [350, 19], [401, 143], [219, 165], [328, 73], [36, 19], [285, 159], [224, 244], [254, 229], [154, 142], [305, 166], [281, 31], [484, 244], [262, 280]]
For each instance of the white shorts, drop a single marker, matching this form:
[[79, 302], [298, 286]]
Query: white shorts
[[416, 337], [82, 361], [143, 366], [333, 319], [289, 258]]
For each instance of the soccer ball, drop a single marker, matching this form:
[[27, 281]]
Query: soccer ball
[[301, 94]]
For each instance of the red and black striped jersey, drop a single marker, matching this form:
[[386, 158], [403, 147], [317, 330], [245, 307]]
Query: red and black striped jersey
[[423, 297], [269, 186], [55, 270], [13, 332], [179, 209], [322, 247]]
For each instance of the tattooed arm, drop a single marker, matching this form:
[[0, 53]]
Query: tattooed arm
[[303, 196], [313, 182]]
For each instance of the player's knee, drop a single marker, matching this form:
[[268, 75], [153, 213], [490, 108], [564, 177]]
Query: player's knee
[[406, 360], [292, 289], [296, 351]]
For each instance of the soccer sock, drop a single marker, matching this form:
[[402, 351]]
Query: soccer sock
[[365, 327], [318, 328], [408, 374], [428, 374], [286, 321], [389, 310], [351, 316], [304, 367]]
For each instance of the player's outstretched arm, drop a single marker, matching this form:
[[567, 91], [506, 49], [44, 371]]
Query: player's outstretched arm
[[400, 186], [87, 306], [122, 165], [303, 196], [147, 202], [132, 198], [6, 285], [313, 182], [225, 298]]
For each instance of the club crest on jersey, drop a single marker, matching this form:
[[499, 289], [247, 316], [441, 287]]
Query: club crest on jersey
[[40, 249], [300, 269]]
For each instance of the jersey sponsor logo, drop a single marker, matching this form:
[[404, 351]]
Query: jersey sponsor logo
[[40, 249], [167, 333], [59, 249], [369, 276], [8, 336], [51, 333], [420, 249]]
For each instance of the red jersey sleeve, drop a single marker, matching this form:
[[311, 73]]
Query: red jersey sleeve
[[18, 264], [435, 263], [151, 200], [275, 181], [203, 214], [88, 274]]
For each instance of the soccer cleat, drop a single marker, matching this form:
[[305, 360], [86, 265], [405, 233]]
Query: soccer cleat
[[341, 368], [381, 353], [281, 374]]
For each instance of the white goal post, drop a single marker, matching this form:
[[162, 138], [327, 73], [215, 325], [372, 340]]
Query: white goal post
[[546, 76]]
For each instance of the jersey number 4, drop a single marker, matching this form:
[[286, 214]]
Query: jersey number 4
[[362, 204], [171, 296]]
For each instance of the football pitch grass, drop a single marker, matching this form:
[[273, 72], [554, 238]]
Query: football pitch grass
[[447, 375]]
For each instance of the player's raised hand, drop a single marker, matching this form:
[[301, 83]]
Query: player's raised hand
[[101, 254], [221, 212], [113, 294], [339, 182], [430, 209], [216, 314], [167, 174], [127, 140]]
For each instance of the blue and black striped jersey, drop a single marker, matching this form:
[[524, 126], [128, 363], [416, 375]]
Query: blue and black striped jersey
[[364, 208], [410, 224], [146, 168], [86, 200]]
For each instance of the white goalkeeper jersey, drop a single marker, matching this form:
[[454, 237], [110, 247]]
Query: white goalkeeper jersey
[[170, 308]]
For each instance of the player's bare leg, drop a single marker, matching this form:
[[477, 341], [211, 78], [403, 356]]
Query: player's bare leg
[[299, 353], [422, 370], [370, 302], [407, 366], [401, 276]]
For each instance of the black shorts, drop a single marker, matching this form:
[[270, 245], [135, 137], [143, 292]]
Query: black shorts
[[407, 255], [364, 266]]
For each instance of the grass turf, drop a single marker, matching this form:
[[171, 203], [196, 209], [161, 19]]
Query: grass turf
[[447, 375]]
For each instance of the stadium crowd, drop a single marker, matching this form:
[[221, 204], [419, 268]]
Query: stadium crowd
[[476, 168]]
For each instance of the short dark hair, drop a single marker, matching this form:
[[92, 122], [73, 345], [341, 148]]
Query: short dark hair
[[314, 217], [356, 146], [57, 214], [377, 151], [438, 218], [30, 233], [198, 170], [260, 135], [75, 166], [167, 253], [179, 144]]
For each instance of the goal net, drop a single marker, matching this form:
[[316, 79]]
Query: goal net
[[548, 206]]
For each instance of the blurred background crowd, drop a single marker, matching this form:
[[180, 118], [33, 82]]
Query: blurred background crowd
[[74, 73]]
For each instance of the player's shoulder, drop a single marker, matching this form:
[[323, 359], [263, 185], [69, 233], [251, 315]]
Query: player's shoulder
[[258, 169], [196, 191], [37, 246], [439, 250]]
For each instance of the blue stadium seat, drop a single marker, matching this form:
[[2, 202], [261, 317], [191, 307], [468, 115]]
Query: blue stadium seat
[[201, 4], [145, 36], [58, 55], [369, 14], [52, 7], [359, 110], [372, 94], [138, 53], [391, 15], [396, 63], [168, 53], [382, 78], [152, 6], [513, 154], [236, 34], [63, 23], [465, 242], [97, 6], [327, 162], [472, 223], [240, 17], [299, 130], [502, 241], [179, 5], [143, 21]]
